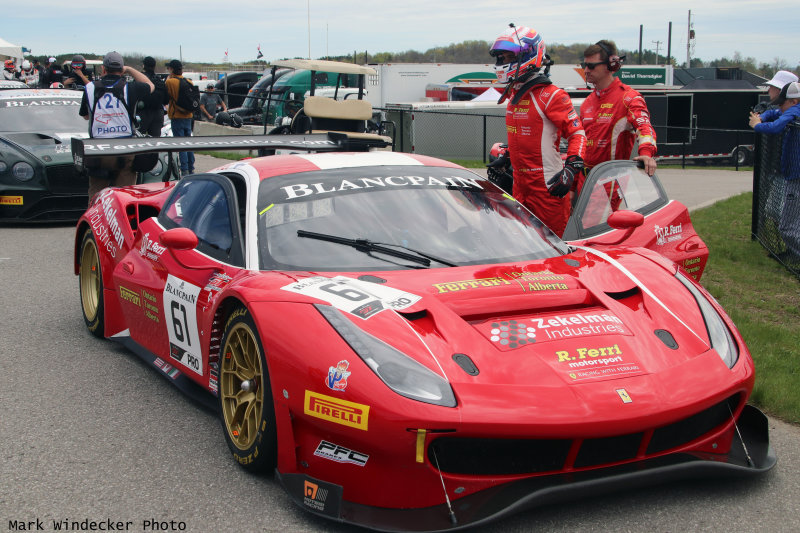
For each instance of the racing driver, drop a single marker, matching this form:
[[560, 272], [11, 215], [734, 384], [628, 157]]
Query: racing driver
[[538, 115], [613, 111]]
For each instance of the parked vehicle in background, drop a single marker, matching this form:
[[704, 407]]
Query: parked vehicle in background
[[235, 86], [38, 180]]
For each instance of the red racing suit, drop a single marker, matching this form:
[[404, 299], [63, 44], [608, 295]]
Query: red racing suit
[[610, 118], [535, 125]]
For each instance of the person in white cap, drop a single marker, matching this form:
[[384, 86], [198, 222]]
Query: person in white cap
[[778, 82], [786, 122]]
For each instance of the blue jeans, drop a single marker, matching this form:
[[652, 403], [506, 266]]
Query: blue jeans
[[182, 127]]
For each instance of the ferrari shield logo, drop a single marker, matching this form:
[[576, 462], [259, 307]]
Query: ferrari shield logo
[[623, 394]]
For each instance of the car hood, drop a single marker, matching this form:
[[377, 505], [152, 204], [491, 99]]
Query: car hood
[[50, 148], [568, 336]]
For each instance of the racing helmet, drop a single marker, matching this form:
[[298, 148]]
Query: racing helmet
[[526, 45], [26, 65], [9, 64]]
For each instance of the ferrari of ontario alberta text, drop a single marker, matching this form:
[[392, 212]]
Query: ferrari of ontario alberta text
[[407, 347]]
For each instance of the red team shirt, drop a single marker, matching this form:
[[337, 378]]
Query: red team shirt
[[611, 118], [535, 126]]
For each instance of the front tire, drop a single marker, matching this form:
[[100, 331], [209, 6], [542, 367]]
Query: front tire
[[247, 412], [90, 278]]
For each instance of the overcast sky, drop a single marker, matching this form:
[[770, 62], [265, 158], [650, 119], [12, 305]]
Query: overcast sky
[[202, 30]]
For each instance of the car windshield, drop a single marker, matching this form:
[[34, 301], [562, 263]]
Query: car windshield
[[450, 215], [30, 112]]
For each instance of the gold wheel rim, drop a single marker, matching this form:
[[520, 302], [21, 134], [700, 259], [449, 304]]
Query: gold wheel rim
[[241, 389], [90, 280]]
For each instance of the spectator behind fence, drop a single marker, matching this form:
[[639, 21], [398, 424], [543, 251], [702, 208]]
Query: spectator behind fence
[[774, 124], [211, 104], [778, 82]]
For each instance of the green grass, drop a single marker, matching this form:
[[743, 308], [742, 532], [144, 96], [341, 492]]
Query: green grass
[[233, 156], [762, 298]]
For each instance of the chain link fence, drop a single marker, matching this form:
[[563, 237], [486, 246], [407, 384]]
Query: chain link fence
[[776, 195]]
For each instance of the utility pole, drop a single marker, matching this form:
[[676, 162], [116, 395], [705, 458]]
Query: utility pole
[[689, 39], [308, 6], [658, 44]]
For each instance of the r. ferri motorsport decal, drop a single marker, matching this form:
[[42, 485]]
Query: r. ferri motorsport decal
[[360, 298]]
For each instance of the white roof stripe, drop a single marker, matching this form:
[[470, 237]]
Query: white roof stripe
[[365, 159]]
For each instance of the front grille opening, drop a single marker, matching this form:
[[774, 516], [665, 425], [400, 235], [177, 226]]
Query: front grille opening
[[608, 450], [693, 427], [499, 456]]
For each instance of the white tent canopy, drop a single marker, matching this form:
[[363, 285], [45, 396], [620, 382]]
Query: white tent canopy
[[10, 50], [490, 94]]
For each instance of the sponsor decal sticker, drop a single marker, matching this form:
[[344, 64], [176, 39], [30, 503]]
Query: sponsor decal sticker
[[520, 331], [130, 296], [150, 248], [624, 396], [360, 298], [338, 411], [340, 454], [218, 281], [180, 313], [10, 200], [527, 281], [321, 497], [150, 306], [596, 363], [337, 376], [667, 234]]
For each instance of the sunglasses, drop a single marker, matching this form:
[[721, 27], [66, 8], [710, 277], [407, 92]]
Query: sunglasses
[[591, 66]]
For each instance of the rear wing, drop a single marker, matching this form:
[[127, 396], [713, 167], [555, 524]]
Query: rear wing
[[324, 142]]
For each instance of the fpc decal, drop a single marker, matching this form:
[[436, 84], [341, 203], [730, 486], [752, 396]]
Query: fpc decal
[[340, 454], [337, 376], [354, 415]]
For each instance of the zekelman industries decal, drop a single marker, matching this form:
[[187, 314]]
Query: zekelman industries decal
[[523, 330], [527, 281], [180, 313], [105, 225], [596, 363], [667, 234], [337, 376], [299, 190], [360, 298]]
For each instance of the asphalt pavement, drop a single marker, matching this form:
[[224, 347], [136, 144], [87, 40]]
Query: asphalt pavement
[[89, 434]]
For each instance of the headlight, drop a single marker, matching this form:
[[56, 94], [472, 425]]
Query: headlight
[[22, 171], [721, 339], [399, 372]]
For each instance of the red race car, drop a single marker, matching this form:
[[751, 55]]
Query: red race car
[[377, 319]]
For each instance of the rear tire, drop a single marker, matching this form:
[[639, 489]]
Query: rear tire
[[247, 412], [90, 278], [742, 156]]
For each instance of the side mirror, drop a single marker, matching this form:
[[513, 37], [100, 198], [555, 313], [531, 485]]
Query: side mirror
[[179, 239], [622, 219]]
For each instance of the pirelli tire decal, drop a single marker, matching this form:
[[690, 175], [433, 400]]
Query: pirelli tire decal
[[180, 315]]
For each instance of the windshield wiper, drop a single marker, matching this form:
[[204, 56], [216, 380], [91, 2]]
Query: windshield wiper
[[367, 246]]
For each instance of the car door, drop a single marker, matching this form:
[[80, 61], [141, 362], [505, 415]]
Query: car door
[[667, 227], [170, 292]]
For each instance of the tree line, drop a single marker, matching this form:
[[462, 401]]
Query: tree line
[[476, 51]]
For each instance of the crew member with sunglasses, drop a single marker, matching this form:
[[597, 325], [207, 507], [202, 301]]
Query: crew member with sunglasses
[[613, 114]]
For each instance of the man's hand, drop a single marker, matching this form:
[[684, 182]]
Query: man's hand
[[755, 118], [560, 184], [649, 163]]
